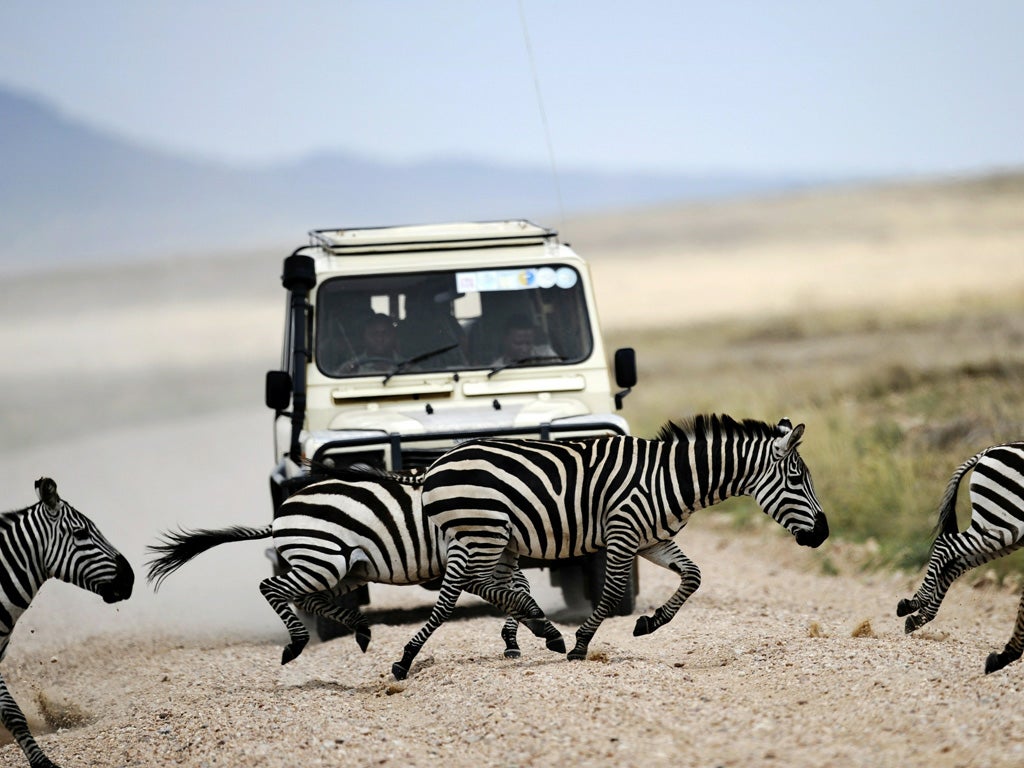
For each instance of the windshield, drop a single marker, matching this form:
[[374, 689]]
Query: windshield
[[448, 321]]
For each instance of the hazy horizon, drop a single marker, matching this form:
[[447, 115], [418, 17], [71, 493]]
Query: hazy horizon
[[805, 88]]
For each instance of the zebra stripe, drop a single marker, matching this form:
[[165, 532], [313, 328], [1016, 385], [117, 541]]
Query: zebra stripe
[[336, 535], [51, 539], [497, 500], [996, 529]]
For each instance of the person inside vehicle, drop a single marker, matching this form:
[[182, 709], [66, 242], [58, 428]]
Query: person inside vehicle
[[519, 343], [379, 347]]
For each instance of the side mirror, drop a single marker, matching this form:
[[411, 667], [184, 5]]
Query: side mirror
[[278, 390], [625, 373]]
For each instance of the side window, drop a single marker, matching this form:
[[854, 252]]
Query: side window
[[342, 315]]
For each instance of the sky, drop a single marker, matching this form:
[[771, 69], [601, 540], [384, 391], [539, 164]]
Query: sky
[[809, 86]]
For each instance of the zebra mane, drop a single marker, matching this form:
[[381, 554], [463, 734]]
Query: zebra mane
[[704, 425], [13, 515], [359, 472]]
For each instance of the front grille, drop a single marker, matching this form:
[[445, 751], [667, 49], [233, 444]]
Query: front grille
[[420, 459], [334, 459]]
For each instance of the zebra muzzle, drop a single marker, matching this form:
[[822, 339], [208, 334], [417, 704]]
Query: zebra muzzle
[[814, 537], [120, 587]]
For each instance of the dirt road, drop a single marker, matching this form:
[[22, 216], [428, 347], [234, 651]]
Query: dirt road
[[770, 663]]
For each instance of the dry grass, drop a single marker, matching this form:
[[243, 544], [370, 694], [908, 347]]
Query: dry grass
[[893, 403]]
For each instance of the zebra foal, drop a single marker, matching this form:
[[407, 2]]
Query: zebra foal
[[997, 528], [336, 535], [51, 539], [497, 500]]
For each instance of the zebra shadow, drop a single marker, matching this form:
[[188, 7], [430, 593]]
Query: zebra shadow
[[419, 614], [332, 686]]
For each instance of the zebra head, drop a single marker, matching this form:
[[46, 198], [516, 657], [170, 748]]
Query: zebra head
[[784, 490], [76, 552]]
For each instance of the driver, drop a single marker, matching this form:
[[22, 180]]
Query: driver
[[379, 350]]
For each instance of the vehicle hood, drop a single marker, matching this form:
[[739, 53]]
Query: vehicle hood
[[424, 418]]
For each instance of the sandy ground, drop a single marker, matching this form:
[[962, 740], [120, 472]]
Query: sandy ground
[[772, 662], [140, 391]]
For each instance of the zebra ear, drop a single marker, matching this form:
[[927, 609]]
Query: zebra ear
[[47, 491], [785, 426], [789, 440]]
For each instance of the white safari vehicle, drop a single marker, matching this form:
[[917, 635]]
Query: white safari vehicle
[[401, 342]]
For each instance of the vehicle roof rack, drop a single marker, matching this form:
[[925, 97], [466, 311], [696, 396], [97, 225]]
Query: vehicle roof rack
[[432, 237]]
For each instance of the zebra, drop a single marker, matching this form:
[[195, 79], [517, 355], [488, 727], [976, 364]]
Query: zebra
[[996, 529], [495, 500], [337, 534], [51, 539]]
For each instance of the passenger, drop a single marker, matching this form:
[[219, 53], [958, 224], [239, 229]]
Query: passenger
[[519, 343]]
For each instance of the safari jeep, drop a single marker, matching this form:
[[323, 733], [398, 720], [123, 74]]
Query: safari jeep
[[401, 342]]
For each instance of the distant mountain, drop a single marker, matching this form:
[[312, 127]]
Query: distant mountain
[[71, 194]]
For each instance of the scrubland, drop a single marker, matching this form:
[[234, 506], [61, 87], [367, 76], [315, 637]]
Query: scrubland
[[890, 320], [893, 404]]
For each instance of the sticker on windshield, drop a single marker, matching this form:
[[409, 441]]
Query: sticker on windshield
[[565, 277], [484, 280]]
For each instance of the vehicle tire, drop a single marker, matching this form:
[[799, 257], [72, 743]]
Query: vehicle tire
[[328, 629], [572, 578], [595, 565]]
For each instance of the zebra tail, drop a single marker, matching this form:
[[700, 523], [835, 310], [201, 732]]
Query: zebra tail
[[947, 507], [178, 547]]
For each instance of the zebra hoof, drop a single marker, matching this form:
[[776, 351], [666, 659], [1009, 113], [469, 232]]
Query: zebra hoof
[[292, 651], [556, 644], [916, 621], [993, 663], [512, 653], [399, 672], [577, 654], [363, 637], [906, 606], [997, 661], [643, 626]]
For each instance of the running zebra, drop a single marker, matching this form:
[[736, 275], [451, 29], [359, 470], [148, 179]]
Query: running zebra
[[50, 540], [497, 500], [336, 535], [996, 529]]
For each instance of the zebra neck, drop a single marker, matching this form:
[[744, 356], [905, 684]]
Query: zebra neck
[[710, 471], [22, 550]]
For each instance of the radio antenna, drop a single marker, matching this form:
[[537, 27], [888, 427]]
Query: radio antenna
[[543, 114]]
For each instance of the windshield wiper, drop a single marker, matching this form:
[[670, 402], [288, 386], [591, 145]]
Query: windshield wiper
[[524, 361], [418, 359]]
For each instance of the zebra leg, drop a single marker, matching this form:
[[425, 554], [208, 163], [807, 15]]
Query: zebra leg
[[1014, 648], [14, 721], [451, 589], [944, 567], [621, 550], [952, 556], [489, 579], [281, 590], [510, 630], [668, 555], [509, 633], [324, 604]]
